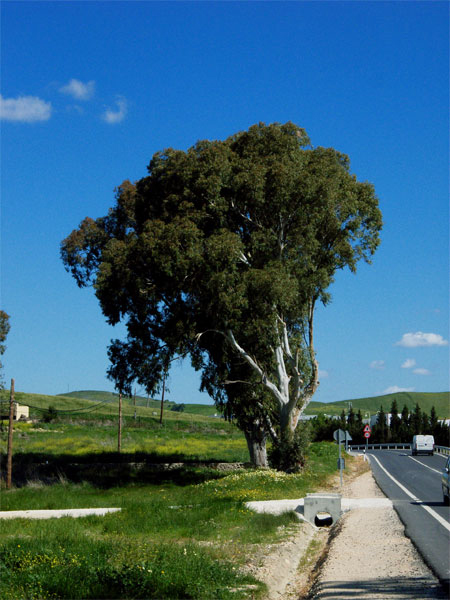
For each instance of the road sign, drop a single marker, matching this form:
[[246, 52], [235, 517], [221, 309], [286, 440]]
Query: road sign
[[342, 436], [367, 434], [367, 429]]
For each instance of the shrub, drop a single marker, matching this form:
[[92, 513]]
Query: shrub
[[50, 414]]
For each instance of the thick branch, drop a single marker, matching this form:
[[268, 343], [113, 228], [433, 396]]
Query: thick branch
[[272, 432], [255, 366]]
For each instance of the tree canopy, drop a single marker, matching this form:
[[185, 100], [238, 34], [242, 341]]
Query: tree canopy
[[222, 251], [4, 330]]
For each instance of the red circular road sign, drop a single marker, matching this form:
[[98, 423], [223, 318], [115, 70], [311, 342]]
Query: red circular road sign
[[367, 434]]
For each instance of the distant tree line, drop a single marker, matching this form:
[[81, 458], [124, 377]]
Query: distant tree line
[[402, 427]]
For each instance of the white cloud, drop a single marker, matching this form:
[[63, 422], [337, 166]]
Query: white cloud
[[377, 364], [25, 109], [323, 374], [409, 363], [394, 388], [79, 90], [112, 117], [421, 371], [413, 340]]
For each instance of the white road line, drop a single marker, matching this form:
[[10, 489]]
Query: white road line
[[426, 466], [433, 513]]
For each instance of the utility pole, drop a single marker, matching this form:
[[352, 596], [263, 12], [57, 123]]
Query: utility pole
[[134, 401], [10, 437], [119, 440]]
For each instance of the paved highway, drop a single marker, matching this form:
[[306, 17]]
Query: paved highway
[[413, 483]]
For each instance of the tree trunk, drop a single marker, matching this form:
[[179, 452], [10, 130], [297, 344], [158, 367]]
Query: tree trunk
[[256, 442]]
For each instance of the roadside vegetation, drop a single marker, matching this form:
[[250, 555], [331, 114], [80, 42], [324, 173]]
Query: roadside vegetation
[[399, 427], [182, 532]]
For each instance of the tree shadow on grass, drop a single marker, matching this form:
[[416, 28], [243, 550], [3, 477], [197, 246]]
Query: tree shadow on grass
[[108, 470]]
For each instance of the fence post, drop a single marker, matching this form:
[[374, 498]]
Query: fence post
[[10, 437]]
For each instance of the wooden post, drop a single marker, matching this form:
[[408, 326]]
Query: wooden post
[[162, 398], [119, 439], [134, 401], [10, 437]]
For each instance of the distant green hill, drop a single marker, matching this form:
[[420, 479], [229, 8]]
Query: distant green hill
[[440, 400], [106, 403], [426, 400], [99, 396]]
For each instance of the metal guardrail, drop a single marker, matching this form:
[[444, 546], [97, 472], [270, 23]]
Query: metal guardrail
[[380, 446], [399, 446]]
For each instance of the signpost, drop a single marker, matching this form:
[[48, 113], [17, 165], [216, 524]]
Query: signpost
[[341, 436], [367, 432]]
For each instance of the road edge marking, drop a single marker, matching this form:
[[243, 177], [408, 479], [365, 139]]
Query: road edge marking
[[433, 513], [426, 466]]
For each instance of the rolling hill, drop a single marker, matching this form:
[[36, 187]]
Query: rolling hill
[[79, 401]]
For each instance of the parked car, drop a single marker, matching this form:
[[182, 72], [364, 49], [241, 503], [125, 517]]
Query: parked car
[[422, 444], [445, 482]]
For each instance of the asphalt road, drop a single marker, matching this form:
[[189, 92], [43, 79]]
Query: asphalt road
[[413, 483]]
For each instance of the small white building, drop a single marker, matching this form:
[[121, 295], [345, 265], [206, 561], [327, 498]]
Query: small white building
[[374, 419], [20, 411]]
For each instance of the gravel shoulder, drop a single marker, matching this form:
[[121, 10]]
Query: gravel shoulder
[[366, 555]]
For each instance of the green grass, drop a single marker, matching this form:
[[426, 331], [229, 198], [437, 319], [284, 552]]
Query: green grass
[[185, 537], [96, 405], [181, 438]]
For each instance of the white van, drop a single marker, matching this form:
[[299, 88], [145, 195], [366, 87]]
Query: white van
[[422, 444]]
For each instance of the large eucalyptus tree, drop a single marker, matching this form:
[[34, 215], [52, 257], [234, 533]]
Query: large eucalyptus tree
[[223, 251]]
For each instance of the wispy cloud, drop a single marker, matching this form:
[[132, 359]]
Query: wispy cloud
[[323, 374], [79, 90], [409, 363], [25, 109], [413, 340], [377, 364], [421, 371], [116, 116], [394, 388]]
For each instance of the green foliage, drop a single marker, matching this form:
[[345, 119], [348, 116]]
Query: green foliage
[[228, 245], [289, 454], [81, 571], [400, 429], [178, 408], [50, 414], [170, 540], [4, 330]]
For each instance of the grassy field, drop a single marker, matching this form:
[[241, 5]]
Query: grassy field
[[182, 533], [96, 396]]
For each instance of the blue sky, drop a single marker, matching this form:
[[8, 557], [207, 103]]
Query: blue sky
[[90, 90]]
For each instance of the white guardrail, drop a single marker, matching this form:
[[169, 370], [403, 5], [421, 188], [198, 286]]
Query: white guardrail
[[438, 449]]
